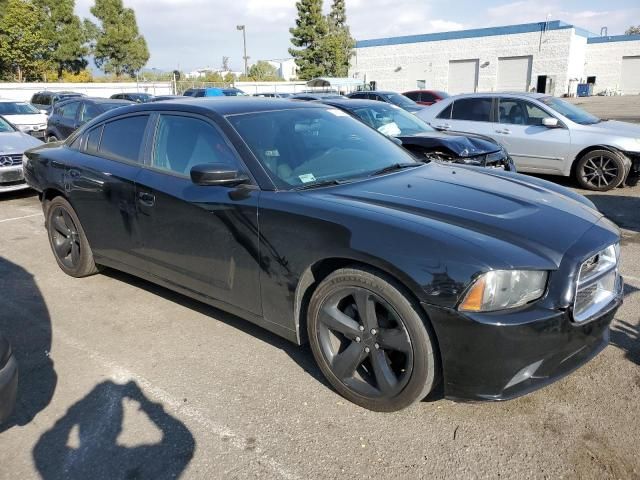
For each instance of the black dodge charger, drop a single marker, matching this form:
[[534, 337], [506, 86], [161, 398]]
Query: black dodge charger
[[301, 219]]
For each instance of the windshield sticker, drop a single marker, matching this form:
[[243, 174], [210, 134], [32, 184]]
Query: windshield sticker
[[390, 129], [272, 153], [338, 113], [307, 177]]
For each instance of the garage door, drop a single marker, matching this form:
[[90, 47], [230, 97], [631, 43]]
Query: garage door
[[514, 74], [463, 76], [630, 79]]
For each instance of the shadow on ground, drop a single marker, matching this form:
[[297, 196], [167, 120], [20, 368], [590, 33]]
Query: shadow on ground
[[626, 337], [623, 210], [25, 321], [85, 443]]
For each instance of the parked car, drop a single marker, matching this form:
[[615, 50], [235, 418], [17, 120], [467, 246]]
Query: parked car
[[160, 98], [44, 101], [214, 92], [138, 97], [8, 379], [426, 97], [398, 273], [388, 97], [545, 134], [13, 143], [69, 115], [24, 116], [311, 96], [273, 95], [422, 140]]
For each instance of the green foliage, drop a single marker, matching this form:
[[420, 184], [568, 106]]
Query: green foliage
[[633, 30], [338, 43], [65, 34], [23, 46], [119, 48], [307, 36], [263, 71]]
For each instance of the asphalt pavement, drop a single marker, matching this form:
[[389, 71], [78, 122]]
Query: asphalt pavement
[[124, 379]]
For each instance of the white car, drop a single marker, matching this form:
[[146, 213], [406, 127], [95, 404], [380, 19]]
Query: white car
[[13, 144], [25, 116], [544, 134]]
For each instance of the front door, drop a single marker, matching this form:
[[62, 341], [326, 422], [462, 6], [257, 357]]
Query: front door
[[533, 147], [202, 238]]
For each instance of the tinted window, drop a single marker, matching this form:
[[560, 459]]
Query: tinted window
[[359, 95], [69, 110], [474, 109], [427, 97], [415, 96], [122, 138], [93, 140], [89, 112], [183, 142], [519, 112], [446, 113]]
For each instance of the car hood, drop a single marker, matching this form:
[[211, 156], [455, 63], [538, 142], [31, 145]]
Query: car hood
[[615, 127], [28, 119], [514, 223], [17, 142], [460, 145]]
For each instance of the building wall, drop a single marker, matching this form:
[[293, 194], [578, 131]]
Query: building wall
[[604, 61], [399, 67]]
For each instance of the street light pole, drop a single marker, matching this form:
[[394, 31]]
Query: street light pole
[[244, 43]]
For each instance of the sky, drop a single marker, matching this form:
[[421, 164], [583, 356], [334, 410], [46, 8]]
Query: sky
[[189, 34]]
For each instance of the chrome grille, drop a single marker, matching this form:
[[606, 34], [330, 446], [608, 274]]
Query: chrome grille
[[597, 284], [10, 160]]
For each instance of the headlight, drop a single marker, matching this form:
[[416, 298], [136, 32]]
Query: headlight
[[503, 289], [24, 128]]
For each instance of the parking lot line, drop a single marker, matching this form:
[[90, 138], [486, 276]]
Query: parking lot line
[[20, 218]]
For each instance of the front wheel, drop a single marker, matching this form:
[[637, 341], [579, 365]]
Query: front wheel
[[68, 240], [371, 341], [600, 170]]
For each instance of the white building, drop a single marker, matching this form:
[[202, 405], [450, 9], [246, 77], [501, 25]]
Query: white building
[[202, 72], [286, 67], [550, 57]]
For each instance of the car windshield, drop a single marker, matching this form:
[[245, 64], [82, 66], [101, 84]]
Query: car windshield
[[17, 108], [391, 120], [5, 126], [302, 147], [400, 100], [570, 111]]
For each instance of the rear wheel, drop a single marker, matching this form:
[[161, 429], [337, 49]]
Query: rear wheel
[[68, 240], [600, 170], [371, 341]]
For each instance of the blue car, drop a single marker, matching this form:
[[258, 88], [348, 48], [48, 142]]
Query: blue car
[[214, 92]]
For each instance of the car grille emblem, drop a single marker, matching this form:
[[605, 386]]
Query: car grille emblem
[[6, 161]]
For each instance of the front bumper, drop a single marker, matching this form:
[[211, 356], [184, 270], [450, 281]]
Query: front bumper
[[12, 178], [500, 356], [8, 387]]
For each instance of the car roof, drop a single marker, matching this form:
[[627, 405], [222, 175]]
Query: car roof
[[382, 92], [355, 102], [501, 94], [97, 100], [133, 93]]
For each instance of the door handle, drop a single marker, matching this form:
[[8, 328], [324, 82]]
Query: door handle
[[146, 199], [444, 126], [505, 131]]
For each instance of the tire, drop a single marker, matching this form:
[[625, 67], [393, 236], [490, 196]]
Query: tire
[[600, 170], [384, 361], [67, 239]]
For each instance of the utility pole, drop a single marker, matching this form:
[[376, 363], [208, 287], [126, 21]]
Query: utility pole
[[244, 42]]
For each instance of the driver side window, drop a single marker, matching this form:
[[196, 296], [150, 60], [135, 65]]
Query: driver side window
[[519, 112]]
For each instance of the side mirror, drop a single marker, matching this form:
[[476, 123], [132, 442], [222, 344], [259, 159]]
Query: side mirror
[[550, 122], [217, 174]]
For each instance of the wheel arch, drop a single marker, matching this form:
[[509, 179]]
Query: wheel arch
[[592, 148], [49, 194]]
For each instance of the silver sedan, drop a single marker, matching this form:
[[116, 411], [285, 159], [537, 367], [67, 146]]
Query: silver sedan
[[545, 134], [13, 143]]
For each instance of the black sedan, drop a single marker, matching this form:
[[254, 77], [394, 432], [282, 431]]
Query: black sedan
[[424, 141], [393, 98], [8, 379], [301, 219]]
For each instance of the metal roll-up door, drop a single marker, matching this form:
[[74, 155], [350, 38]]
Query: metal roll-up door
[[630, 78], [463, 76], [514, 74]]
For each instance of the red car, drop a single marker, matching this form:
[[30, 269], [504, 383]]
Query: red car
[[426, 97]]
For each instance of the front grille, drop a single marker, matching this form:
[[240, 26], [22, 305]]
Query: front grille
[[597, 284], [10, 160]]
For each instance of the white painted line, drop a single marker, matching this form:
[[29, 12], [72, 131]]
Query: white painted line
[[20, 218]]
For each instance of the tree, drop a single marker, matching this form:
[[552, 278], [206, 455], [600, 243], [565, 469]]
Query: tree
[[338, 43], [307, 36], [67, 49], [263, 71], [23, 46], [119, 48], [225, 64], [633, 30]]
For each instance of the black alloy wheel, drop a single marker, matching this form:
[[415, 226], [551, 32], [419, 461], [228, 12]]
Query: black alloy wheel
[[370, 340], [600, 170], [67, 239]]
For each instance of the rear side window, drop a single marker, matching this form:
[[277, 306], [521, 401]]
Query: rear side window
[[93, 140], [446, 113], [69, 110], [472, 109], [89, 112], [359, 96], [122, 139], [427, 97], [415, 96]]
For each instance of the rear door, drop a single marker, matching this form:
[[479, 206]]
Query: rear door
[[469, 115], [67, 120], [533, 147], [203, 238]]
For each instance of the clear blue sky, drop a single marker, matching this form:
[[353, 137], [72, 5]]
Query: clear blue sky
[[197, 33]]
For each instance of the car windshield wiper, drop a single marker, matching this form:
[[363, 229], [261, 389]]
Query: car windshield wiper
[[324, 183], [394, 167]]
